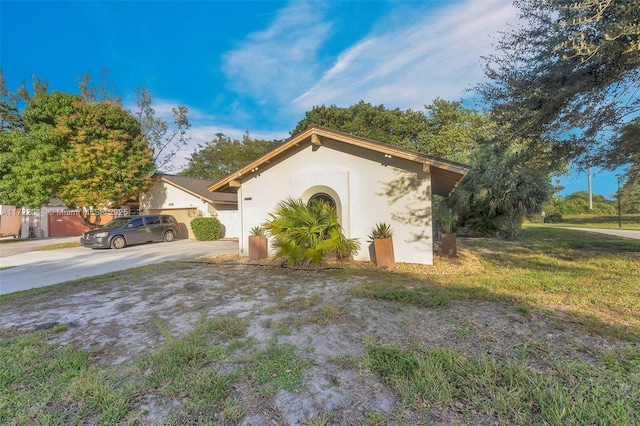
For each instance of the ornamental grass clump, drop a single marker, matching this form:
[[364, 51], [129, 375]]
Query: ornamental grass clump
[[305, 235]]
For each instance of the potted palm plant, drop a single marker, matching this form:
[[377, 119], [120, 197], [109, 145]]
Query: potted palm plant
[[258, 247], [381, 235], [447, 220]]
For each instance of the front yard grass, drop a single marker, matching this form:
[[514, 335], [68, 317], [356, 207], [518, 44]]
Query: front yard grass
[[579, 280], [213, 373]]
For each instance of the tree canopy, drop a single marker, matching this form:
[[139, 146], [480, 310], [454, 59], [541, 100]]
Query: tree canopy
[[165, 141], [568, 76], [578, 203], [106, 160], [219, 157], [31, 158], [90, 155], [447, 129]]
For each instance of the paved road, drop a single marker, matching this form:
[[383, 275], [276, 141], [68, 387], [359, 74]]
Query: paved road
[[32, 269], [617, 232]]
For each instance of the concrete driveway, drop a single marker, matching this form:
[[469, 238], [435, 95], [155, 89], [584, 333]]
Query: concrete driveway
[[27, 268]]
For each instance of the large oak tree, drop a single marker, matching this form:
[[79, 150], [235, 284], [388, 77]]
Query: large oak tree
[[568, 77], [106, 160], [90, 155], [447, 129]]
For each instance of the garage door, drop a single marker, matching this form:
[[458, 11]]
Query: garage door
[[71, 225], [183, 216]]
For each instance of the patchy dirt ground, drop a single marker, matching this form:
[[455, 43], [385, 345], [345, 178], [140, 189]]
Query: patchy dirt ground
[[118, 316]]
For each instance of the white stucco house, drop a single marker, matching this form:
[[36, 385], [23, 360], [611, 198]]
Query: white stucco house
[[369, 182], [188, 198]]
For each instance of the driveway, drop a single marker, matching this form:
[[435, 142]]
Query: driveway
[[26, 268], [627, 233]]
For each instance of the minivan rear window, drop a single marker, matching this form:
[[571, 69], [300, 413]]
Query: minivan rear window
[[153, 220]]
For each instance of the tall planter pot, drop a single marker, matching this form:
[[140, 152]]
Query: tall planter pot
[[258, 247], [383, 248], [448, 245]]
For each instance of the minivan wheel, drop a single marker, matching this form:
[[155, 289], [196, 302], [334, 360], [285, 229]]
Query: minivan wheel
[[118, 242], [169, 236]]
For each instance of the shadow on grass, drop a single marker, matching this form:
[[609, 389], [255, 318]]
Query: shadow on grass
[[438, 292], [569, 276]]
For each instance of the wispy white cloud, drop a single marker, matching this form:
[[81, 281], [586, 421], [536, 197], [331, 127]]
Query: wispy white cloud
[[408, 65], [409, 58], [271, 64]]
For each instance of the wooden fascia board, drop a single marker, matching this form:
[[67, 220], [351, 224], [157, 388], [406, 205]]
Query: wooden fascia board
[[391, 150], [315, 132], [246, 170]]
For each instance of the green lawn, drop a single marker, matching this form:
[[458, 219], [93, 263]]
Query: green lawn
[[584, 287], [596, 282]]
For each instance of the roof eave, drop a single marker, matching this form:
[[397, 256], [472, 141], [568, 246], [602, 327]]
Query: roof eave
[[202, 197], [458, 168]]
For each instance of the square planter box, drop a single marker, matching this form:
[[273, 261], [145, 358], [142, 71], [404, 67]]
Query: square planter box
[[448, 245], [258, 247], [383, 248]]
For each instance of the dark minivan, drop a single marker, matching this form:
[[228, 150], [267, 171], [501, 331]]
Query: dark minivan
[[124, 231]]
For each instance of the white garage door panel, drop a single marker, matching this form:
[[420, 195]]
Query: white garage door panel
[[183, 216]]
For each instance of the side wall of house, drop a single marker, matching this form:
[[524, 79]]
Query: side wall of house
[[368, 188], [230, 220]]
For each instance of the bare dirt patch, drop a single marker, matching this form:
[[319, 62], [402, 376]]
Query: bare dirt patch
[[313, 310]]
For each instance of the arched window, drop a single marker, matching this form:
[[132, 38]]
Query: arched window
[[321, 196]]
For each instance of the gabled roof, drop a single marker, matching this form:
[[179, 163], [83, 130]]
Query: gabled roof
[[198, 188], [445, 174]]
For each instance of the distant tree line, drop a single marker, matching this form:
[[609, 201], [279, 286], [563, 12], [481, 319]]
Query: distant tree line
[[577, 203]]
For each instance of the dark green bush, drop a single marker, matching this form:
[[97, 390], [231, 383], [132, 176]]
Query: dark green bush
[[553, 218], [206, 228]]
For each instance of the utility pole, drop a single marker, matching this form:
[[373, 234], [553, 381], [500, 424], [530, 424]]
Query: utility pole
[[619, 177], [589, 188]]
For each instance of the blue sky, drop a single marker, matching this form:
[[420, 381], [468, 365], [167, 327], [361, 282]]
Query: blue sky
[[259, 65]]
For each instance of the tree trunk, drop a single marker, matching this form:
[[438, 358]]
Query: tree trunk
[[85, 219]]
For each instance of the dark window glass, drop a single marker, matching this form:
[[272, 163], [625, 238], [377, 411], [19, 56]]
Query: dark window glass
[[321, 196], [153, 220], [136, 223], [168, 219]]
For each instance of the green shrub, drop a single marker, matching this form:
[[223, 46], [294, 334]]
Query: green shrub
[[306, 235], [553, 218], [381, 230], [206, 228]]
